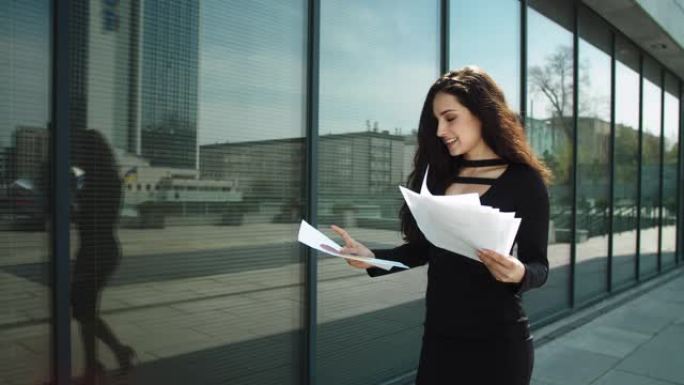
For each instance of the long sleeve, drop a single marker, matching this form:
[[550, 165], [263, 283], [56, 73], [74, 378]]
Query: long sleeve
[[533, 234], [410, 254]]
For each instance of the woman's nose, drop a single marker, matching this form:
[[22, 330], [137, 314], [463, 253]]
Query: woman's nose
[[440, 129]]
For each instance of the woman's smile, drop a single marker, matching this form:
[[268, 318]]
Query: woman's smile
[[451, 143]]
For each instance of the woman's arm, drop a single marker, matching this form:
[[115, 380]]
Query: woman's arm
[[533, 234], [410, 254]]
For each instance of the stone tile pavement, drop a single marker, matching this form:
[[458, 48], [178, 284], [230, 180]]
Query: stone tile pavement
[[640, 342]]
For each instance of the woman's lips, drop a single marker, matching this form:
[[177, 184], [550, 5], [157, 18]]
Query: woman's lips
[[451, 143]]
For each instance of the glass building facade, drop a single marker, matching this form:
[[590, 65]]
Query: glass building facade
[[157, 157]]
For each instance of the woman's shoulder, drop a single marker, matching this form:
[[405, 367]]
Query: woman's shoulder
[[529, 193], [528, 179], [524, 170]]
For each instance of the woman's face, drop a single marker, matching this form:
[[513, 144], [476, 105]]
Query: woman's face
[[459, 130]]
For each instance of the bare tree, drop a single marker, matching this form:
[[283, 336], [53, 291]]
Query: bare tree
[[555, 81]]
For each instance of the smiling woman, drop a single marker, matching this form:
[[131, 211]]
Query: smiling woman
[[474, 314]]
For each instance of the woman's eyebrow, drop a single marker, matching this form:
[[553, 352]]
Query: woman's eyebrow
[[445, 111]]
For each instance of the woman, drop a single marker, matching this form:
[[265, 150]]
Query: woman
[[475, 330], [96, 215]]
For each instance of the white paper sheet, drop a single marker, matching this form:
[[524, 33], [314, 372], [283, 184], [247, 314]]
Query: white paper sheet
[[460, 223], [311, 237]]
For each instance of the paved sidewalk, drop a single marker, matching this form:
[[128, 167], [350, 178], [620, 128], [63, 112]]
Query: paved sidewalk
[[638, 343]]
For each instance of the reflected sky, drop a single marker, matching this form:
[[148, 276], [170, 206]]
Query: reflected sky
[[595, 89], [488, 35], [671, 121], [544, 38], [627, 96], [252, 85], [651, 108], [252, 70], [377, 61]]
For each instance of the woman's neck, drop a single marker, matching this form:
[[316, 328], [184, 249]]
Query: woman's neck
[[481, 151]]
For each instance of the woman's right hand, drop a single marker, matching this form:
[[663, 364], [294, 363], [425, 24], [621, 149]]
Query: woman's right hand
[[352, 247]]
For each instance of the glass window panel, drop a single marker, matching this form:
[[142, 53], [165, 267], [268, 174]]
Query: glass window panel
[[189, 194], [25, 87], [593, 158], [670, 178], [626, 163], [475, 25], [549, 131], [650, 169], [378, 59]]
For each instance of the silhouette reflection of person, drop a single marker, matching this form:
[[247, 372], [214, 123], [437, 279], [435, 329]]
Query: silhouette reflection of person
[[96, 213]]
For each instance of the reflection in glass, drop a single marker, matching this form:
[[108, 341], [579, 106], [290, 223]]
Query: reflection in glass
[[475, 25], [378, 59], [97, 200], [626, 168], [549, 131], [25, 274], [593, 158], [670, 181], [650, 170], [202, 106]]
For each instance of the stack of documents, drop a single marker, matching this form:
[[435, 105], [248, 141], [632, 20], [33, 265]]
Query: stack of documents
[[311, 237], [459, 223]]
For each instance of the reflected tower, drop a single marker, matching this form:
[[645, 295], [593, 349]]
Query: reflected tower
[[169, 38]]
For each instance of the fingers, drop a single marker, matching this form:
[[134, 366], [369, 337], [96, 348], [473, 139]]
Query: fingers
[[495, 258], [497, 272], [501, 268], [358, 264], [348, 240], [349, 251], [492, 266]]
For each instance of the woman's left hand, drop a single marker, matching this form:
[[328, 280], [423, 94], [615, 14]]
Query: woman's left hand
[[504, 268]]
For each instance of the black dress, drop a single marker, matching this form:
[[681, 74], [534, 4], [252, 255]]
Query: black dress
[[475, 329]]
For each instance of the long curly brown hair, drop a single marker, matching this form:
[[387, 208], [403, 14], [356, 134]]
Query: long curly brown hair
[[502, 131]]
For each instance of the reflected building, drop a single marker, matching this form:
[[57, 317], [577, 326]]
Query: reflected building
[[31, 151], [544, 136], [5, 166], [106, 99], [169, 48], [356, 165], [143, 96]]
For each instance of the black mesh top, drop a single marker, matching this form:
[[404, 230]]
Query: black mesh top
[[463, 298]]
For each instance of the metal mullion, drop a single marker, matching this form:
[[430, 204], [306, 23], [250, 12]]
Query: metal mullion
[[575, 100], [523, 61], [444, 60], [661, 168], [611, 182], [311, 177], [60, 190], [639, 161], [680, 174]]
